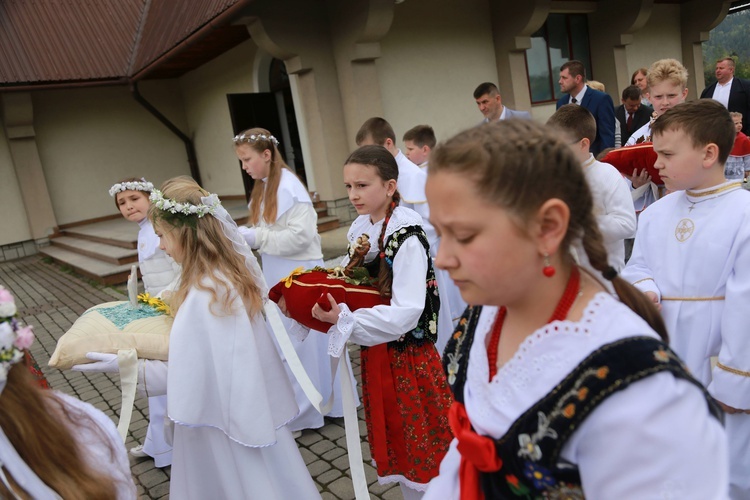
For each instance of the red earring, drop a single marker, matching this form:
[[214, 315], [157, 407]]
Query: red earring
[[548, 270]]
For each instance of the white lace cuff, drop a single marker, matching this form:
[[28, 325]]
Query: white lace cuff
[[297, 331], [339, 333]]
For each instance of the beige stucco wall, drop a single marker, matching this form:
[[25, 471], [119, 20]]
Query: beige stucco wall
[[15, 225], [658, 39], [90, 138], [433, 58], [205, 92]]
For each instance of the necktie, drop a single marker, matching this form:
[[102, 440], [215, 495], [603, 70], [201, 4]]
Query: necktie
[[574, 100], [630, 122]]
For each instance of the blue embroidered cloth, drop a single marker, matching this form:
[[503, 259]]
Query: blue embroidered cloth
[[122, 314]]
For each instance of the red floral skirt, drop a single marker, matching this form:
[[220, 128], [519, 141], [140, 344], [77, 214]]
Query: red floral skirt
[[406, 400]]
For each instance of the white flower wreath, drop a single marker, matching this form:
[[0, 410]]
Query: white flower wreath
[[255, 137], [174, 207], [142, 185]]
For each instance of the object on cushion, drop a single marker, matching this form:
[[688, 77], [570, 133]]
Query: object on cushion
[[636, 157], [301, 292], [110, 327]]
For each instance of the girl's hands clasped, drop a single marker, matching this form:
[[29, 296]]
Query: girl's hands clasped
[[330, 316]]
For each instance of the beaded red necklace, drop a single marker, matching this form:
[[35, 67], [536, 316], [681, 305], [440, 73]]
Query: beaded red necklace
[[561, 311]]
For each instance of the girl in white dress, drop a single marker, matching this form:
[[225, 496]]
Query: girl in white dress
[[561, 389], [159, 272], [283, 229], [52, 445], [228, 395]]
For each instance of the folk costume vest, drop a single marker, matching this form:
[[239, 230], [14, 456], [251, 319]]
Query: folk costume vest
[[526, 461]]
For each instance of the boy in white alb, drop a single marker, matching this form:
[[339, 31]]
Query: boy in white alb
[[411, 182], [419, 142], [692, 258], [667, 84], [613, 205]]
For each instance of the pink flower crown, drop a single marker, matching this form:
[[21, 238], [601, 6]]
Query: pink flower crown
[[14, 335]]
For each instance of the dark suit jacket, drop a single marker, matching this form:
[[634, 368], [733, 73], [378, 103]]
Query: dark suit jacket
[[600, 105], [641, 117], [739, 99]]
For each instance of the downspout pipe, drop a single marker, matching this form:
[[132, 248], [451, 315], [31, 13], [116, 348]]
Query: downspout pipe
[[189, 146]]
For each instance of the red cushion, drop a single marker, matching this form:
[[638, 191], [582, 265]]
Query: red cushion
[[741, 145], [311, 287], [636, 157]]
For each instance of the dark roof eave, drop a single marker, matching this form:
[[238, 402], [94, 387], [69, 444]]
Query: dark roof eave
[[28, 87]]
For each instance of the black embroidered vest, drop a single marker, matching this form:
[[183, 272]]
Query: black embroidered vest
[[530, 450], [426, 329]]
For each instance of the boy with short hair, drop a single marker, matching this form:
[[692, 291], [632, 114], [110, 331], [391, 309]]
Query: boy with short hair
[[419, 142], [692, 258], [613, 204], [667, 87], [667, 80]]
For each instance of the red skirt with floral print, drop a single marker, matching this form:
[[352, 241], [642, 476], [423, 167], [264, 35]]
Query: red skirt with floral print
[[406, 400]]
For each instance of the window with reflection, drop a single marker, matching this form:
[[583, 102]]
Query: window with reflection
[[563, 37]]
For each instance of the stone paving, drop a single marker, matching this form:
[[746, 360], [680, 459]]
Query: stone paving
[[51, 299]]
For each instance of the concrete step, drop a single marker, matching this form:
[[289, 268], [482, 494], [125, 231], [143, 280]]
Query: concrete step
[[327, 223], [115, 232], [108, 253], [95, 269]]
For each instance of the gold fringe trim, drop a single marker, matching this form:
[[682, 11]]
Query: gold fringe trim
[[733, 370], [714, 191], [641, 281], [693, 299], [357, 290]]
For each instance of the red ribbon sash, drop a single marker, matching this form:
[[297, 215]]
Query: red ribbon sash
[[477, 453]]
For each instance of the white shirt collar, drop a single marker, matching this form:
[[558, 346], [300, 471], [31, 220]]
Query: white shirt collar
[[726, 84], [579, 96]]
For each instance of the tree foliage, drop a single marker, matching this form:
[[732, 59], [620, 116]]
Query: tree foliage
[[729, 38]]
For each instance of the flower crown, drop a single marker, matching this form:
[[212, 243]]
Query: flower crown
[[14, 335], [255, 137], [183, 208], [142, 185]]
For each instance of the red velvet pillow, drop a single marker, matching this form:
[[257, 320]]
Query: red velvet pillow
[[741, 145], [636, 157], [302, 291]]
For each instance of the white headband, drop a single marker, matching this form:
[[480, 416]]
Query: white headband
[[255, 137], [142, 185]]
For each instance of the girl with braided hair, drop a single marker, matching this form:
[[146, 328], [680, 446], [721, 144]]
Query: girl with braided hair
[[405, 394], [561, 389]]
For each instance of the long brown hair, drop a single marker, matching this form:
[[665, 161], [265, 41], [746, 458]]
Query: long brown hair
[[518, 165], [386, 167], [206, 252], [38, 425], [264, 193]]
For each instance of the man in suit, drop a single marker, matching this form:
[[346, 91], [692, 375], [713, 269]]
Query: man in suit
[[490, 104], [572, 82], [631, 114], [733, 93]]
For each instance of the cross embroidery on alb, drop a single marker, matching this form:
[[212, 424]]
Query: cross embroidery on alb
[[684, 230]]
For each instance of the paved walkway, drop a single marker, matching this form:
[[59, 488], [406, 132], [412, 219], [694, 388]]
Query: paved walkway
[[51, 299]]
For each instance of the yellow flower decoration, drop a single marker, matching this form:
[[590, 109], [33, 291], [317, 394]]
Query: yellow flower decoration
[[288, 280], [158, 304]]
